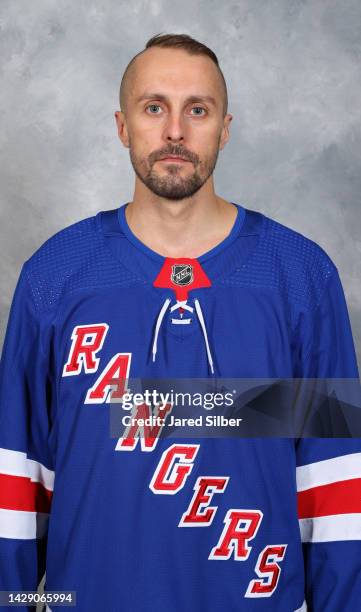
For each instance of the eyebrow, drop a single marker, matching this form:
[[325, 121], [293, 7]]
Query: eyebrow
[[193, 98]]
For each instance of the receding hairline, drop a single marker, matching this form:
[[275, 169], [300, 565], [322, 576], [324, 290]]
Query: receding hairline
[[130, 69]]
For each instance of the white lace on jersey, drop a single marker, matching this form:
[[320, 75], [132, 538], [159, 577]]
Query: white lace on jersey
[[182, 304]]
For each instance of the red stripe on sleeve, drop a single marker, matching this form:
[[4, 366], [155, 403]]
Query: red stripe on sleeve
[[20, 493], [342, 497]]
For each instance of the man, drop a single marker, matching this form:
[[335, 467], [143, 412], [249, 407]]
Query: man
[[177, 284]]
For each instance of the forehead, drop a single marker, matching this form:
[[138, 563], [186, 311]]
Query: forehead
[[173, 71]]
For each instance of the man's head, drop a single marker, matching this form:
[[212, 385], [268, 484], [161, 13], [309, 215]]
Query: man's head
[[173, 100]]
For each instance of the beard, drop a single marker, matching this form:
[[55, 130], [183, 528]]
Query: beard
[[171, 184]]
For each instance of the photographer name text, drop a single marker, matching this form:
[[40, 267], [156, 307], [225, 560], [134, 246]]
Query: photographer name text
[[200, 421]]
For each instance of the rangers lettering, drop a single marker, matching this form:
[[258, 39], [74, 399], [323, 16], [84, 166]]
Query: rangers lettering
[[169, 476], [112, 382], [150, 435], [87, 340], [205, 487], [234, 539], [267, 569]]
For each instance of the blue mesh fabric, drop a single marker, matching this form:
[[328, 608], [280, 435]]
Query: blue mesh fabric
[[74, 258], [286, 261], [281, 259]]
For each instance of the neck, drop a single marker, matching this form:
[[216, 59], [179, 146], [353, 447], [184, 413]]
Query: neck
[[186, 228]]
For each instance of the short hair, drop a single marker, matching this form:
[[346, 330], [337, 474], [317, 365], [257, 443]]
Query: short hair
[[175, 41]]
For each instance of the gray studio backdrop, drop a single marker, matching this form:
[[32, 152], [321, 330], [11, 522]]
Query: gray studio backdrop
[[294, 75]]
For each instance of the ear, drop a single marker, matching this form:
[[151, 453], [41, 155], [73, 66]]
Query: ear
[[122, 127], [225, 131]]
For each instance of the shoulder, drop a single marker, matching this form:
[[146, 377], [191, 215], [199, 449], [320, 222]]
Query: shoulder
[[64, 261], [290, 262], [296, 250], [65, 240], [63, 245]]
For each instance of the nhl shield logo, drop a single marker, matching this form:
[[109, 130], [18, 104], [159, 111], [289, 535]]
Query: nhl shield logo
[[182, 274]]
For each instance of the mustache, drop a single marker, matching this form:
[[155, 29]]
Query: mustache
[[176, 150]]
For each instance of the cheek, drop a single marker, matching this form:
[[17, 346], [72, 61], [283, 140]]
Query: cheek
[[206, 145], [146, 139], [144, 125], [142, 146], [205, 133]]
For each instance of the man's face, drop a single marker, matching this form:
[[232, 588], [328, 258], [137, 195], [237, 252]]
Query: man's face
[[174, 106]]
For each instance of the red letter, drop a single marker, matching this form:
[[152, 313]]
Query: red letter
[[169, 478], [235, 539], [86, 341], [195, 515], [268, 569], [114, 378], [149, 439]]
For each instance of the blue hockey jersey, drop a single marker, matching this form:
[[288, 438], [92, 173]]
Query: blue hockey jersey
[[151, 524]]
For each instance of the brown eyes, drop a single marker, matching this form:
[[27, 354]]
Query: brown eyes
[[153, 110]]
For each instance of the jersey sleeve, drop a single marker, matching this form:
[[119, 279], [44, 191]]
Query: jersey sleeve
[[26, 462], [327, 348], [328, 472]]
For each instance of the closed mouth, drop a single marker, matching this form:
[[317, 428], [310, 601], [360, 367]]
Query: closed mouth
[[173, 158]]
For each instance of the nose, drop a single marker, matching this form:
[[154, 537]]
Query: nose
[[174, 128]]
